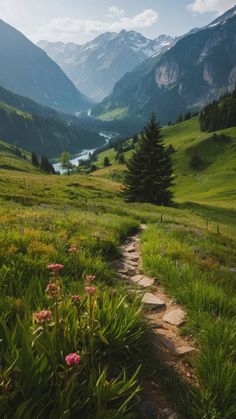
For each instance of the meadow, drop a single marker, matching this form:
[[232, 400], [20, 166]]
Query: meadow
[[72, 340]]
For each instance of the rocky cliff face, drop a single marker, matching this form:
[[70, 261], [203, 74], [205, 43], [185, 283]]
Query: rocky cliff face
[[197, 69]]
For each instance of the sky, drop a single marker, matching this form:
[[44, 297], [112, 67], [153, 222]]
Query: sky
[[82, 20]]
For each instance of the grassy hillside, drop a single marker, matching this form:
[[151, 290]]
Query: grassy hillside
[[212, 182], [12, 158], [34, 127]]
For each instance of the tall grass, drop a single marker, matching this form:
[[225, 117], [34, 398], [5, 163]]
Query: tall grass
[[211, 311]]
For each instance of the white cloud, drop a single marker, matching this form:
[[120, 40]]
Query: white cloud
[[113, 12], [77, 30], [218, 6]]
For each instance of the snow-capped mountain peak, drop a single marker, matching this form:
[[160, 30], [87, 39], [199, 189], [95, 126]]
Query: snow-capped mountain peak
[[96, 66]]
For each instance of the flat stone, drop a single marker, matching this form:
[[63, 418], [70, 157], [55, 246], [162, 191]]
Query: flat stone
[[130, 270], [131, 256], [136, 278], [131, 263], [152, 300], [182, 350], [175, 317], [146, 282], [130, 249]]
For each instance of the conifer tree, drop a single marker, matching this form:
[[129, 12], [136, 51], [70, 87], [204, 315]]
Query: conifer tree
[[34, 159], [149, 171]]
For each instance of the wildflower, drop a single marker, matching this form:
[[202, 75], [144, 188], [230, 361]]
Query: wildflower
[[43, 316], [75, 299], [89, 279], [55, 268], [90, 290], [73, 249], [53, 291], [97, 236], [72, 359]]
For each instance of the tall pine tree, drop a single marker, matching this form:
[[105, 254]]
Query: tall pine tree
[[149, 171]]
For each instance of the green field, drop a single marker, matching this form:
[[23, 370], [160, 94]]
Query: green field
[[189, 248], [213, 183]]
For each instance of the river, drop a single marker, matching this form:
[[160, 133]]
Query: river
[[83, 155]]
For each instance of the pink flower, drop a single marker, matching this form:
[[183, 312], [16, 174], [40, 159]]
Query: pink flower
[[53, 291], [89, 279], [43, 316], [72, 359], [90, 290], [75, 299], [73, 249], [55, 267]]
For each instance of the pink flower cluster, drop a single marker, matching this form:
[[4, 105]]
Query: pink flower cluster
[[89, 279], [43, 316], [75, 299], [53, 291], [90, 290], [73, 249], [72, 359], [55, 268]]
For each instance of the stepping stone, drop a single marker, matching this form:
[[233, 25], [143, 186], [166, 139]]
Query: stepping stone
[[175, 317], [131, 256], [136, 278], [130, 270], [130, 263], [182, 350], [146, 282], [123, 271], [131, 248], [152, 300]]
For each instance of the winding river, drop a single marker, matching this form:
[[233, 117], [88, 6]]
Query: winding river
[[83, 155]]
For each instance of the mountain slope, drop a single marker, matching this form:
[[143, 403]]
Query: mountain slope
[[33, 127], [96, 66], [27, 70], [196, 70], [13, 158]]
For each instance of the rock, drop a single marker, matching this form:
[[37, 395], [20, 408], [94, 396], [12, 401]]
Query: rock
[[130, 249], [167, 414], [131, 263], [175, 317], [182, 350], [123, 271], [148, 410], [136, 278], [131, 256], [152, 300], [130, 270], [146, 282]]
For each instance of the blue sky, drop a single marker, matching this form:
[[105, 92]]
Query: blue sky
[[82, 20]]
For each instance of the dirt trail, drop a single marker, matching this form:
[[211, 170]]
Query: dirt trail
[[165, 315]]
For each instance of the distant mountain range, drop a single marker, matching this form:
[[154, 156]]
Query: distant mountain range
[[96, 66], [27, 70], [195, 70]]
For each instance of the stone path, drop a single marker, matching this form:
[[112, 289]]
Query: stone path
[[165, 315]]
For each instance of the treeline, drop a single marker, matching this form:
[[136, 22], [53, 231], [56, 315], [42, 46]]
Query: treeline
[[219, 114], [43, 164]]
